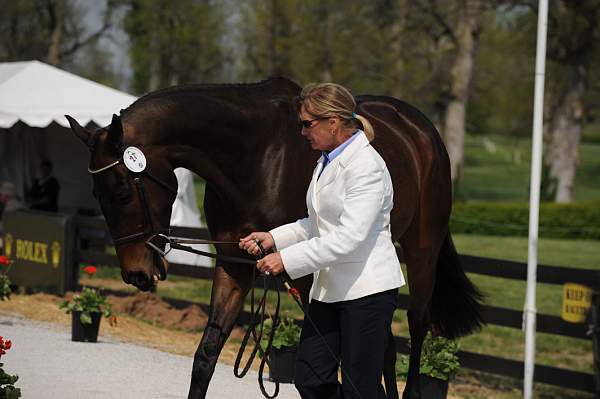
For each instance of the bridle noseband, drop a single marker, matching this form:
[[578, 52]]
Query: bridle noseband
[[156, 238]]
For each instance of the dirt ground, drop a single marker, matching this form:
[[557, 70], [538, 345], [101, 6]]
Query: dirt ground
[[147, 320]]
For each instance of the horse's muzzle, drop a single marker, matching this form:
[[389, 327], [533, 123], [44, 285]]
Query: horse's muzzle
[[140, 279]]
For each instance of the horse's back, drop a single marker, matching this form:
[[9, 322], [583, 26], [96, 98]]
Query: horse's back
[[418, 163]]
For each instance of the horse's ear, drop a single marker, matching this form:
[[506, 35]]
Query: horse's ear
[[115, 131], [81, 132]]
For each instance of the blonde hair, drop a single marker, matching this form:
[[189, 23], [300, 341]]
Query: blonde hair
[[330, 99]]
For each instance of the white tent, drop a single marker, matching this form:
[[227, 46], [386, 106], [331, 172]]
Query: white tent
[[39, 94], [34, 97]]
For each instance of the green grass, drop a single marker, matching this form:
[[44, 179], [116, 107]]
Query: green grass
[[497, 169]]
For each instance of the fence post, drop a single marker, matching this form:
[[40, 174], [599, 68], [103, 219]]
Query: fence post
[[594, 330]]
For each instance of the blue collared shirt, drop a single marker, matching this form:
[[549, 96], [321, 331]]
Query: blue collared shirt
[[328, 157]]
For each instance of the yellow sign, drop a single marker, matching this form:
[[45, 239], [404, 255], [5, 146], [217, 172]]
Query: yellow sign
[[8, 242], [38, 245], [577, 300], [55, 248], [32, 251]]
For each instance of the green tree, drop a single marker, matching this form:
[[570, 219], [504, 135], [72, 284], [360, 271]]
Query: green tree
[[502, 95], [47, 30], [267, 34], [312, 41], [173, 42]]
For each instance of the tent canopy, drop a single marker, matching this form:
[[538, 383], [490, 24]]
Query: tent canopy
[[38, 94]]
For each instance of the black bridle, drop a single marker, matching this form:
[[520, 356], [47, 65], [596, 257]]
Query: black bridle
[[156, 238]]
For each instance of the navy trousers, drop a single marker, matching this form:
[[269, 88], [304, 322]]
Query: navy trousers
[[356, 332]]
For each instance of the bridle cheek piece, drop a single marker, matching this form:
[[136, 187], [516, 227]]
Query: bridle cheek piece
[[157, 239]]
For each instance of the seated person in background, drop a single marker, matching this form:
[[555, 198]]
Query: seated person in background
[[43, 195]]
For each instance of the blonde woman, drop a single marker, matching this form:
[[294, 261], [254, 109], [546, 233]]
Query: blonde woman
[[346, 244]]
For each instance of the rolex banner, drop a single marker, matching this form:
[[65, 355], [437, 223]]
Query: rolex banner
[[41, 247]]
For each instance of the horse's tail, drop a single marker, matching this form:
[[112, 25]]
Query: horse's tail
[[455, 305]]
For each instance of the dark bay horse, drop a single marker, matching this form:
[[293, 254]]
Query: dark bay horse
[[245, 141]]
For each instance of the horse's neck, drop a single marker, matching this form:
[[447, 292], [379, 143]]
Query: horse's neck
[[244, 173]]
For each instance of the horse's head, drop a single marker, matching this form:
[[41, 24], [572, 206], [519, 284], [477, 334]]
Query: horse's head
[[136, 203]]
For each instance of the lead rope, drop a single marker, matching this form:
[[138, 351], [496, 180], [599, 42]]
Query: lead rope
[[287, 282], [258, 319], [174, 243]]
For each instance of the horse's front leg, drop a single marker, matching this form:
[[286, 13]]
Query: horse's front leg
[[229, 290]]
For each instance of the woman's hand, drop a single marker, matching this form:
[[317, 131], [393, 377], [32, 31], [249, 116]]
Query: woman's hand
[[271, 264], [250, 242]]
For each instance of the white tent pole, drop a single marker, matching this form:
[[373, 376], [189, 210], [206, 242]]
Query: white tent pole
[[529, 314]]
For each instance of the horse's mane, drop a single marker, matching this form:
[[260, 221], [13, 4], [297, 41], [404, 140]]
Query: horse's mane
[[274, 85]]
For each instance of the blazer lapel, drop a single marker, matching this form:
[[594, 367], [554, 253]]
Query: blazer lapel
[[328, 174], [313, 182], [332, 169]]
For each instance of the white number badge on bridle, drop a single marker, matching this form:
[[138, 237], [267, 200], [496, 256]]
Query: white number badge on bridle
[[134, 159]]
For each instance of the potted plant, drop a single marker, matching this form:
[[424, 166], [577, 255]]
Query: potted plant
[[282, 357], [439, 363], [7, 381], [5, 290], [87, 308]]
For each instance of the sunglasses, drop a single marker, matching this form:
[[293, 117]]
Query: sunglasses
[[307, 123]]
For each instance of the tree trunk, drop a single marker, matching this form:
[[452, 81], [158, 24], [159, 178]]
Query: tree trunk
[[326, 56], [397, 46], [57, 12], [572, 46], [565, 134], [467, 34]]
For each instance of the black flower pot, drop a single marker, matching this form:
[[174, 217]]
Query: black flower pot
[[433, 388], [283, 364], [85, 332]]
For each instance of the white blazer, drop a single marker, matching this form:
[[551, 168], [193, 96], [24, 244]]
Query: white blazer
[[345, 240]]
